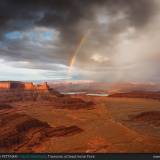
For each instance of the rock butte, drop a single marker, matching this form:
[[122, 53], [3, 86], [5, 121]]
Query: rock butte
[[23, 85]]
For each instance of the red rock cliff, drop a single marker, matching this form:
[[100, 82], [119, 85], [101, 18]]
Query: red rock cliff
[[29, 86], [5, 85], [43, 86], [25, 85]]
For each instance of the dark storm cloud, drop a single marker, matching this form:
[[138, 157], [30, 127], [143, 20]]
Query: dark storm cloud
[[65, 14], [70, 20]]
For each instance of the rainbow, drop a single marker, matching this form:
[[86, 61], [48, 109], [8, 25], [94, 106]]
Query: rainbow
[[73, 59]]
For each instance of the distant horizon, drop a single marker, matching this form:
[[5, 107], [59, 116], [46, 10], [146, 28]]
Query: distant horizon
[[82, 81]]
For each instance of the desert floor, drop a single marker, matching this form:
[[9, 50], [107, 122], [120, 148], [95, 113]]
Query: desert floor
[[112, 125]]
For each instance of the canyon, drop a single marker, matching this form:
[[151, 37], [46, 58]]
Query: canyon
[[40, 121]]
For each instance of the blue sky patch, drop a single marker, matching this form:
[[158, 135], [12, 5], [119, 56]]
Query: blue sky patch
[[15, 35]]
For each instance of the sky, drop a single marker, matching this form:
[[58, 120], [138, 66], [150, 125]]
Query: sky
[[38, 40]]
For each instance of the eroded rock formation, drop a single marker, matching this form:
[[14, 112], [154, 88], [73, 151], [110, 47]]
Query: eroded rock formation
[[22, 133], [23, 85], [150, 118], [67, 102]]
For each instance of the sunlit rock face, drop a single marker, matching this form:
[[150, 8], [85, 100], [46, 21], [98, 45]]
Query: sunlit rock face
[[5, 85], [29, 86]]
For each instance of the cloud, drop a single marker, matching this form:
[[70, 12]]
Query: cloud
[[98, 58], [44, 34]]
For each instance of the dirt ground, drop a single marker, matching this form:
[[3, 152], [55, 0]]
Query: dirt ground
[[109, 126]]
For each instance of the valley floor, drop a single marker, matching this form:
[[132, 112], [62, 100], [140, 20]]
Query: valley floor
[[111, 125]]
